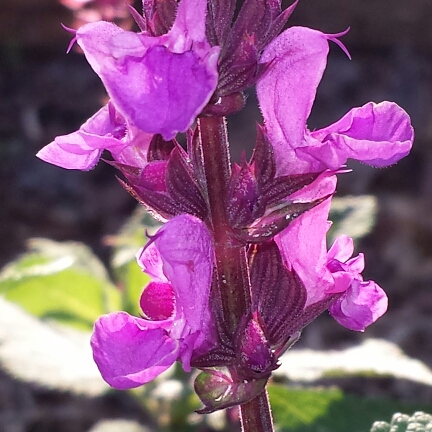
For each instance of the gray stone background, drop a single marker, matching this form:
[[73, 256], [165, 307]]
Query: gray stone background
[[44, 93]]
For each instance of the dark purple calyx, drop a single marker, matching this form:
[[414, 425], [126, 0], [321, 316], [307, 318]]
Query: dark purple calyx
[[152, 176], [275, 220], [258, 204], [158, 16], [224, 105], [182, 185], [242, 41], [167, 185], [275, 188], [159, 149], [245, 202], [278, 294], [255, 358], [279, 298]]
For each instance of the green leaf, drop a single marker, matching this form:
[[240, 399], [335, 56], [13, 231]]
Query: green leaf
[[65, 282], [328, 410]]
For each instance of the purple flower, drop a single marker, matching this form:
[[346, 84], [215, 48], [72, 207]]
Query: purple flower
[[159, 83], [363, 302], [106, 130], [325, 273], [131, 351], [377, 134]]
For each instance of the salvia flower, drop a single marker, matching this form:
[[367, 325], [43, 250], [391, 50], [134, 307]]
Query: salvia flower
[[242, 265], [106, 130], [176, 322], [363, 302], [325, 273], [376, 134], [159, 83]]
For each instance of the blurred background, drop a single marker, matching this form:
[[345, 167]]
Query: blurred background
[[44, 93]]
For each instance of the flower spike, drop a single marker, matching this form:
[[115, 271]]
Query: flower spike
[[241, 264]]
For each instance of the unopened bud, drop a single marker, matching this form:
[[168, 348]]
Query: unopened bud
[[255, 356], [217, 390]]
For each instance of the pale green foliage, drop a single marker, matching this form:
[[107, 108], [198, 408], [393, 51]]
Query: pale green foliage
[[418, 422], [65, 282]]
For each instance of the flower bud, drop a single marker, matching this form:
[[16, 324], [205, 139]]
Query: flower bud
[[255, 357], [217, 390]]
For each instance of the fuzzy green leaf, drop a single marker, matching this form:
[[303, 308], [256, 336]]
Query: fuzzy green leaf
[[65, 282]]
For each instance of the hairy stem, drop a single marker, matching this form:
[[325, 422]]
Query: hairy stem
[[231, 262], [256, 414]]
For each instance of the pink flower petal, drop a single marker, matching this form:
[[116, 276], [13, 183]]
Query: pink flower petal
[[185, 249], [297, 59], [303, 243], [146, 77], [342, 249], [150, 90], [377, 134], [189, 26], [362, 305], [150, 260], [105, 130], [56, 155], [82, 149], [180, 258], [128, 353]]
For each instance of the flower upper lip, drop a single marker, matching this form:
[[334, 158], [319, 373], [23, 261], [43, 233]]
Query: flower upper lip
[[286, 93], [158, 69]]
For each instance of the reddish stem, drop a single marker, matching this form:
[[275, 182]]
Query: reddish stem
[[231, 263], [256, 414]]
